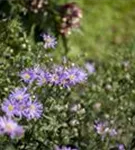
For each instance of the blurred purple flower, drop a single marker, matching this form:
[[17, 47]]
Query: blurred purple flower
[[101, 128], [10, 127], [37, 70], [43, 78], [9, 107], [63, 79], [121, 147], [19, 94], [28, 75], [50, 41], [112, 132], [90, 67], [64, 148], [76, 75], [21, 107], [54, 78], [34, 110]]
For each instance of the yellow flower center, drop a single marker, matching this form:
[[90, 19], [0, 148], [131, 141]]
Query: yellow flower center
[[10, 107], [48, 40], [72, 77], [32, 107], [19, 97], [27, 76], [55, 78]]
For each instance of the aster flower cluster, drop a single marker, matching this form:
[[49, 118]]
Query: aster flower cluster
[[102, 128], [57, 76], [20, 104], [71, 15]]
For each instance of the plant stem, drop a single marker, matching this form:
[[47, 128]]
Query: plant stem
[[65, 44]]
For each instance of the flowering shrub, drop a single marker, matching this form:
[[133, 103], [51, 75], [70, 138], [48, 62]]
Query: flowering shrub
[[52, 100]]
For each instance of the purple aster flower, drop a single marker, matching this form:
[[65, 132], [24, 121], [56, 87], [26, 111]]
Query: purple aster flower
[[64, 148], [101, 128], [19, 94], [21, 108], [53, 78], [57, 75], [112, 132], [121, 147], [43, 78], [90, 68], [63, 77], [38, 71], [28, 75], [76, 75], [34, 110], [50, 41], [9, 107], [10, 127]]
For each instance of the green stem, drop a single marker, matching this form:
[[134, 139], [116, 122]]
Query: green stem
[[65, 44]]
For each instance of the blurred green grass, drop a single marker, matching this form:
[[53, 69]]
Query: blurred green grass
[[106, 27]]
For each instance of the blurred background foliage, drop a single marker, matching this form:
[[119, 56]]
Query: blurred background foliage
[[106, 26], [106, 38]]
